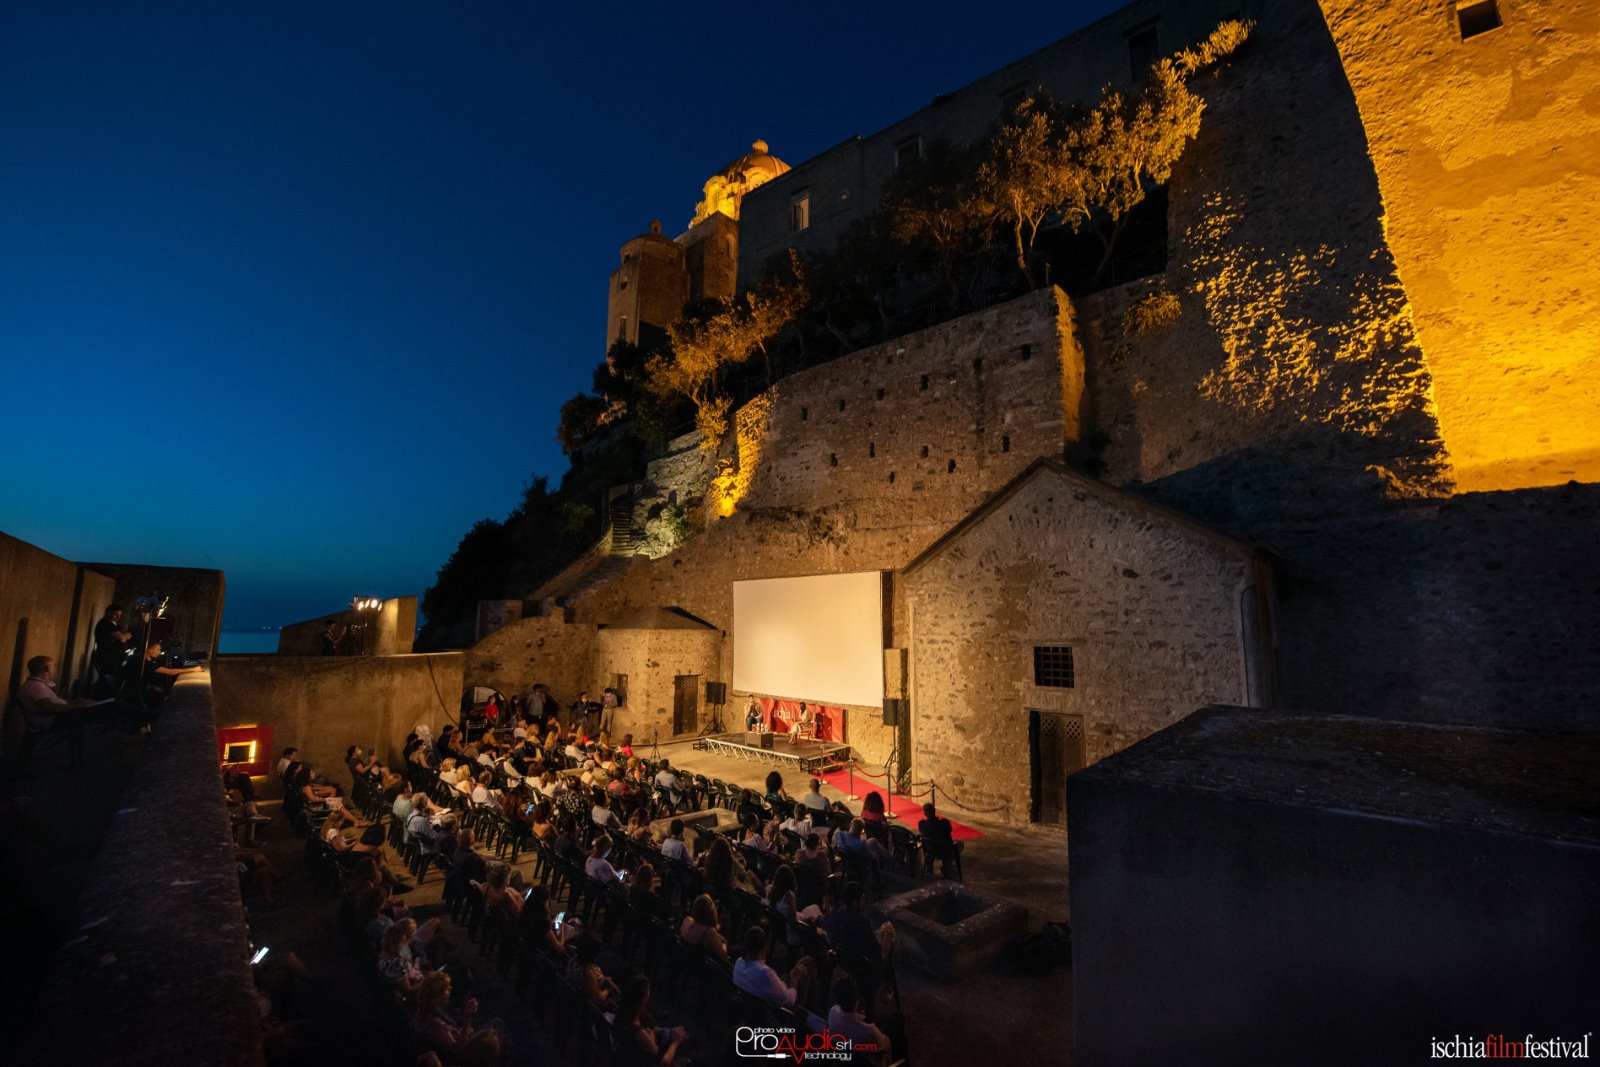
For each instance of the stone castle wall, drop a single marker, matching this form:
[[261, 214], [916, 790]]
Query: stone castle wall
[[1488, 154]]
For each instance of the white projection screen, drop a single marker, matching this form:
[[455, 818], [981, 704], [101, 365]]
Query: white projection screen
[[818, 638]]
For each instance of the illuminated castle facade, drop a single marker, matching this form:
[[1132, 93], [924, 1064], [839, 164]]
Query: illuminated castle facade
[[1352, 471]]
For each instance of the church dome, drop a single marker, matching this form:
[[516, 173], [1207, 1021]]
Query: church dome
[[724, 189]]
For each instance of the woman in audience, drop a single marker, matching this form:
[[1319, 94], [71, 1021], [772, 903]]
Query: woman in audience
[[725, 871], [748, 805], [499, 897], [544, 820], [814, 855], [872, 810], [635, 1033], [639, 825], [846, 1020], [456, 1040], [395, 960], [753, 837], [626, 748], [776, 797], [700, 927], [780, 894], [643, 897], [537, 930], [585, 975]]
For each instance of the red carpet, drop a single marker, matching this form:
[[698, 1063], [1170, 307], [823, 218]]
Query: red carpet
[[908, 810]]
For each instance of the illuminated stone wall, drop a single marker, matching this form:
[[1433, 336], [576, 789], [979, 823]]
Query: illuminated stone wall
[[652, 659], [817, 495], [1149, 605], [532, 650], [1487, 152]]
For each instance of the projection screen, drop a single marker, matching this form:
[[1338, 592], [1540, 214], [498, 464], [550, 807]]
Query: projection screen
[[818, 638]]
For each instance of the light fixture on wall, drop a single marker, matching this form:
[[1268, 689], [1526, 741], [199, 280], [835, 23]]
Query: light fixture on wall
[[363, 612]]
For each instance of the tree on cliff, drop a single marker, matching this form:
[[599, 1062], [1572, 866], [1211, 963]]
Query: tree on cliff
[[702, 345], [1050, 165], [932, 210]]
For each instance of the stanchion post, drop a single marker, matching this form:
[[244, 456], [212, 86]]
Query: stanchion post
[[852, 794]]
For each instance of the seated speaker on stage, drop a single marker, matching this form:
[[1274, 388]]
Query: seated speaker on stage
[[804, 726], [752, 715]]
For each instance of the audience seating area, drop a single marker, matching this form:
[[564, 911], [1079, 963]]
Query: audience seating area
[[501, 859]]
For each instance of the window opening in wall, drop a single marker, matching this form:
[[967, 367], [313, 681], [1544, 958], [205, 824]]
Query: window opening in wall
[[1144, 48], [924, 381], [891, 477], [1052, 666], [1005, 442], [841, 403], [880, 394], [1026, 353], [872, 450], [951, 467], [619, 682], [977, 365], [907, 151], [800, 211], [622, 327], [1477, 16], [924, 451], [804, 414], [1055, 750], [833, 459]]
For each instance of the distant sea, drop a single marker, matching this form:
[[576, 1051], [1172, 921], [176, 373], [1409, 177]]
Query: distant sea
[[247, 641]]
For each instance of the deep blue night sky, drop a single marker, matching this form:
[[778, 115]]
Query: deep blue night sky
[[296, 290]]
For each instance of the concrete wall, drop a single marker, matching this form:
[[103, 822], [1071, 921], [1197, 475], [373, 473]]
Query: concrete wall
[[48, 607], [1280, 889], [1149, 606], [536, 649], [162, 971], [1488, 154], [653, 660], [195, 598], [324, 704]]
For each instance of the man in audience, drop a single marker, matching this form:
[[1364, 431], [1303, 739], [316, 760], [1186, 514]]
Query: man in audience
[[45, 710], [846, 1020], [753, 975], [938, 840], [814, 800], [403, 804], [848, 928], [668, 782], [673, 847], [158, 678], [290, 755]]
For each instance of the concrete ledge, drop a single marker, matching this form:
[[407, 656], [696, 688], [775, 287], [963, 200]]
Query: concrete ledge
[[160, 971], [1275, 887]]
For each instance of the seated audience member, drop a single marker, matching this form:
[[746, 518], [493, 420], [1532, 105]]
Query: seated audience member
[[755, 976], [849, 930], [403, 804], [598, 866], [536, 928], [396, 962], [846, 1020], [500, 895], [872, 811], [669, 783], [938, 840], [290, 755], [456, 1039], [855, 844], [544, 820], [814, 855], [639, 825], [674, 847], [777, 798], [634, 1030], [602, 815], [482, 794], [814, 800], [797, 822], [43, 709], [585, 975], [700, 927], [419, 827], [644, 897], [253, 864]]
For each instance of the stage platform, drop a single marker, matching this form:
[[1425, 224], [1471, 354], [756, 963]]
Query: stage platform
[[808, 756]]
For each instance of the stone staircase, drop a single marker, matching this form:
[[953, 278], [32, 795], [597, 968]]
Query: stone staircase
[[624, 541]]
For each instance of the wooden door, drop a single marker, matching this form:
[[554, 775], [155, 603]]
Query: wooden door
[[1056, 750], [686, 704]]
